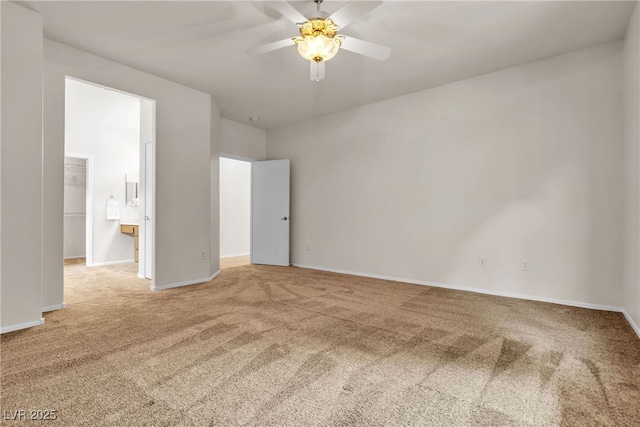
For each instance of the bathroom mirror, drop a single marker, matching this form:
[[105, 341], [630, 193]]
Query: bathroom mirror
[[131, 191]]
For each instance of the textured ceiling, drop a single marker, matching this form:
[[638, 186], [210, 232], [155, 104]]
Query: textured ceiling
[[202, 44]]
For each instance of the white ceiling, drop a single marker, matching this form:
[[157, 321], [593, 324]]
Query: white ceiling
[[202, 44]]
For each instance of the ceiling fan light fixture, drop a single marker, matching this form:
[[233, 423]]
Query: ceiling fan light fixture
[[318, 48], [318, 41]]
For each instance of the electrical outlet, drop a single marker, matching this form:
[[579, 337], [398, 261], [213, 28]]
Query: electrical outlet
[[482, 262], [308, 246], [524, 266], [202, 253]]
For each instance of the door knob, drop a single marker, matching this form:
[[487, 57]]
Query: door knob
[[146, 218], [284, 219]]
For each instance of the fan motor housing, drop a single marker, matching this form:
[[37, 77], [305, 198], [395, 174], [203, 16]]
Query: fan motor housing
[[316, 26]]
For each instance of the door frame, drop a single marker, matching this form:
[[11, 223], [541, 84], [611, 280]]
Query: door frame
[[147, 230], [251, 162], [147, 167], [89, 182]]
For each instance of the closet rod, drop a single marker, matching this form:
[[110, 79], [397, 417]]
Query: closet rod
[[70, 165]]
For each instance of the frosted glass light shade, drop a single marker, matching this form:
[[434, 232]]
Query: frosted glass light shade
[[318, 48]]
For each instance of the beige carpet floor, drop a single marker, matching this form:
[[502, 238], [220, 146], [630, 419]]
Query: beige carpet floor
[[236, 261], [287, 346]]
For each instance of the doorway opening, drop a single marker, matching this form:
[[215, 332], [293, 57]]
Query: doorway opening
[[235, 212], [109, 178]]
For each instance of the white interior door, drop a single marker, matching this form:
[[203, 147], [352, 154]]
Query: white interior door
[[148, 210], [270, 212]]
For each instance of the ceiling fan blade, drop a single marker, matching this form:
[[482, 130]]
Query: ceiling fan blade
[[362, 47], [317, 71], [352, 11], [270, 47], [288, 11]]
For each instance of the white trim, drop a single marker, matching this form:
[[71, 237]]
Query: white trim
[[54, 307], [468, 289], [24, 325], [100, 264], [75, 257], [240, 158], [631, 322], [146, 254], [189, 282], [108, 88], [235, 255]]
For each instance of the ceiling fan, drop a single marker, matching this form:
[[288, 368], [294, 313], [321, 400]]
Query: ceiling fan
[[319, 40]]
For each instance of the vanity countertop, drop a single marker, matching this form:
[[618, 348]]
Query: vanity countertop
[[128, 223]]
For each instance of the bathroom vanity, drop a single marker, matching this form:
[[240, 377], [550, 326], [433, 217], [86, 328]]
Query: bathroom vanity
[[132, 229]]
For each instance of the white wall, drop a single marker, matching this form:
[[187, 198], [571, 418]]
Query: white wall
[[235, 207], [186, 184], [631, 293], [243, 141], [21, 167], [105, 125], [523, 163]]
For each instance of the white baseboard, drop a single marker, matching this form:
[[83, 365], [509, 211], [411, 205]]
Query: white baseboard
[[483, 291], [54, 307], [233, 256], [24, 325], [187, 283], [100, 264], [631, 322]]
